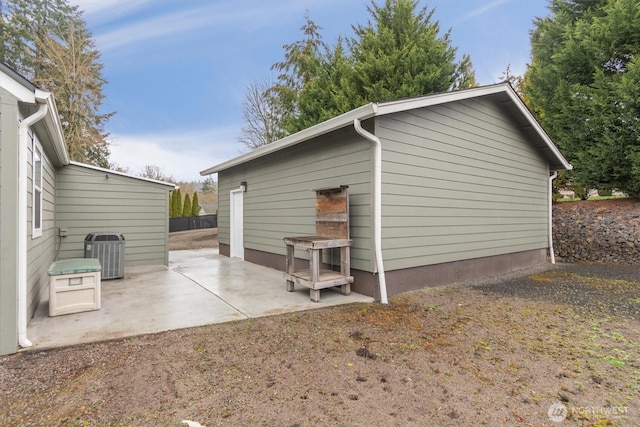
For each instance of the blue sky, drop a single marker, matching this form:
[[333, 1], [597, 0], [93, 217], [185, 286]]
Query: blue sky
[[178, 69]]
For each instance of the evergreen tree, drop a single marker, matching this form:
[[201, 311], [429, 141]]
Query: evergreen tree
[[47, 41], [195, 205], [186, 208], [330, 93], [171, 210], [300, 65], [24, 23], [177, 203], [583, 86], [397, 55], [400, 55], [73, 72]]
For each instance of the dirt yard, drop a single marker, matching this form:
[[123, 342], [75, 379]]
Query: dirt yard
[[193, 239], [542, 348]]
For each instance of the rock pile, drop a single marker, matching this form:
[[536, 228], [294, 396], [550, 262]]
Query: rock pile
[[599, 231]]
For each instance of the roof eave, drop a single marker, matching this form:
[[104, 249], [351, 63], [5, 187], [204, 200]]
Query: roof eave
[[361, 113], [556, 161], [54, 126], [112, 172], [560, 163]]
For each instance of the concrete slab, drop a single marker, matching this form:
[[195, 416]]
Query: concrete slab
[[199, 287]]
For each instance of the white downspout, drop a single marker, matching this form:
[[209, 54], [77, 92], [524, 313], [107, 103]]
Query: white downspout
[[551, 251], [23, 177], [377, 206]]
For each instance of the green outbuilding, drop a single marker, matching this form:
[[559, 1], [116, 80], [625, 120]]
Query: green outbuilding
[[442, 188]]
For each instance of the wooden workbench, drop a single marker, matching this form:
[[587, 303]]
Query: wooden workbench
[[316, 278]]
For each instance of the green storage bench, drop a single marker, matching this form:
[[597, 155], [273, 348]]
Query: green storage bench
[[74, 286]]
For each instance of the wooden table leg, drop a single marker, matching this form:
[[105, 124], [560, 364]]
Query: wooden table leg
[[345, 268], [315, 274], [290, 266]]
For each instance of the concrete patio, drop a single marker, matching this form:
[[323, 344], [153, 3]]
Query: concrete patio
[[199, 287]]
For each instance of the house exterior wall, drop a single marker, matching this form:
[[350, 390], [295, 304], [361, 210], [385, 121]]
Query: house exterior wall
[[279, 200], [8, 222], [41, 249], [460, 181], [90, 200]]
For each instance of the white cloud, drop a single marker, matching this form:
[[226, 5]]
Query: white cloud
[[107, 10], [217, 16], [482, 10], [154, 28], [179, 154]]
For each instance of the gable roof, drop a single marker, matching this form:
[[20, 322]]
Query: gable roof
[[502, 92]]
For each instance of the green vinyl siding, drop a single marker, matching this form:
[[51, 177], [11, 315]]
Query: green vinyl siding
[[460, 181], [90, 200], [40, 250], [8, 222], [279, 201]]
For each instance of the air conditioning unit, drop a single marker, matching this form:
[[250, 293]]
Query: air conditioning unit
[[109, 249]]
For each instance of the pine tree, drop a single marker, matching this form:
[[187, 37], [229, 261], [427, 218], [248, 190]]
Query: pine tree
[[47, 41], [195, 205], [186, 208]]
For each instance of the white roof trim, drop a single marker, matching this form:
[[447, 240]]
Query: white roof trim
[[17, 85], [338, 122], [52, 119], [543, 134], [99, 169], [390, 107]]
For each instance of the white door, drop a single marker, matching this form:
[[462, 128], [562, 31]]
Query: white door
[[237, 224]]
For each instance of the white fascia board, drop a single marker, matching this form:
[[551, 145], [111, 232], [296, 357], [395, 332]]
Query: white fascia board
[[17, 89], [401, 105], [441, 98], [390, 107], [538, 128], [112, 172], [52, 120], [346, 119]]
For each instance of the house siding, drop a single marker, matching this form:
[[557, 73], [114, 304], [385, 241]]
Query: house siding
[[40, 250], [90, 200], [460, 181], [279, 201], [8, 222]]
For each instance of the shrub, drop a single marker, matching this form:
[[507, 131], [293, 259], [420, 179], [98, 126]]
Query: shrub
[[195, 205], [186, 208]]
